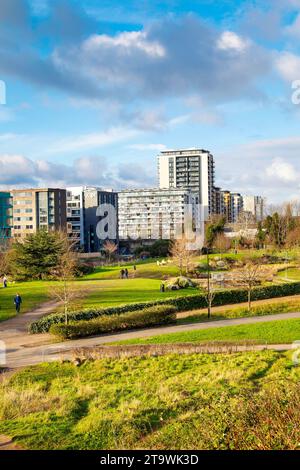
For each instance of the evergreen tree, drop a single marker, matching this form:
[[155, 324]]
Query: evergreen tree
[[37, 255]]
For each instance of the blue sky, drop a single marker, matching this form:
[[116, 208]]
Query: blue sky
[[95, 89]]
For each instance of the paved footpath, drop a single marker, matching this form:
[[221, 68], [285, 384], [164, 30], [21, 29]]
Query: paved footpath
[[24, 350]]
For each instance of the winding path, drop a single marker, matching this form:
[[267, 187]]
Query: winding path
[[24, 350]]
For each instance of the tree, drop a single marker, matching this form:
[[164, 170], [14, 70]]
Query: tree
[[260, 237], [4, 264], [279, 224], [110, 248], [36, 256], [181, 254], [249, 276], [222, 243], [213, 229], [64, 272], [160, 248]]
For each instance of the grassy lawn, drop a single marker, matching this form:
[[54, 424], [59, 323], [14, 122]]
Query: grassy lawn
[[143, 269], [167, 402], [96, 293], [106, 293], [32, 293], [274, 332], [292, 273]]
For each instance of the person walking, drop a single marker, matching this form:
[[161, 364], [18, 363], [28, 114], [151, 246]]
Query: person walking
[[122, 273], [4, 282], [17, 302], [126, 273]]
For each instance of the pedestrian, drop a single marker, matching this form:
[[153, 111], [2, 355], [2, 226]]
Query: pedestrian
[[126, 273], [17, 302], [134, 267], [4, 282], [162, 287], [122, 273]]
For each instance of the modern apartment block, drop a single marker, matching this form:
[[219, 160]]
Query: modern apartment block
[[255, 206], [38, 209], [82, 218], [6, 215], [189, 168], [218, 201], [151, 214], [237, 206]]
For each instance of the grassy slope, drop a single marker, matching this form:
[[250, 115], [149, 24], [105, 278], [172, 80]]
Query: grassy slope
[[191, 402], [32, 293], [274, 332], [101, 293]]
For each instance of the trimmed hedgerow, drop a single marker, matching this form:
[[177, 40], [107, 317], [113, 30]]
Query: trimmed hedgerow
[[193, 302], [153, 316]]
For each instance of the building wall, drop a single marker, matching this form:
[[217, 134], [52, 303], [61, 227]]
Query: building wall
[[254, 205], [188, 168], [38, 209], [5, 216], [152, 214]]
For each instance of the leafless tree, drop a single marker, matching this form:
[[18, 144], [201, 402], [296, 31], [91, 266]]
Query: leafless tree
[[65, 290], [222, 243], [181, 254], [249, 276], [110, 248]]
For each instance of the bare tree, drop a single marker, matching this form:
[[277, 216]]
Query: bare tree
[[181, 254], [65, 290], [249, 276], [110, 248], [222, 243]]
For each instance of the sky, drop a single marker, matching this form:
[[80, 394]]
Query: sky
[[95, 89]]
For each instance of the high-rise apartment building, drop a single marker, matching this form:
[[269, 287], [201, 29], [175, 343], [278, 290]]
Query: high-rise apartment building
[[38, 209], [151, 214], [255, 206], [237, 206], [5, 216], [192, 169], [82, 218]]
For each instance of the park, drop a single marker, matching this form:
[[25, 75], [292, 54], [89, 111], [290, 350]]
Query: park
[[99, 360]]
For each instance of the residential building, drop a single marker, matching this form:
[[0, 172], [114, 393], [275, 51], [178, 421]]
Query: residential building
[[218, 201], [38, 209], [237, 206], [255, 206], [82, 218], [151, 214], [5, 216], [227, 205], [75, 216], [191, 169]]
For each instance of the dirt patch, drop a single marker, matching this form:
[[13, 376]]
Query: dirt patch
[[6, 443]]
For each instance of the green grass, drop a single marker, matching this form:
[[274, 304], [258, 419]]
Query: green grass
[[96, 293], [290, 274], [240, 312], [273, 332], [108, 292], [143, 269], [32, 293], [192, 401]]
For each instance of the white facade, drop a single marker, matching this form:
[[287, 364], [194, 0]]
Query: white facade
[[237, 206], [189, 168], [152, 214], [254, 205], [75, 215]]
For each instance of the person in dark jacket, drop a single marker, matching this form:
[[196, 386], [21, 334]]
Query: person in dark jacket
[[17, 302]]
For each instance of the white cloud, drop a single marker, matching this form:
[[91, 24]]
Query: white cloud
[[89, 141], [146, 147], [229, 40], [126, 42], [283, 171], [288, 66]]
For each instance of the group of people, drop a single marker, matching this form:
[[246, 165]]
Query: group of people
[[124, 273]]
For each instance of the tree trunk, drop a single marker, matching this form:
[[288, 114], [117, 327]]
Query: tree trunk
[[249, 300]]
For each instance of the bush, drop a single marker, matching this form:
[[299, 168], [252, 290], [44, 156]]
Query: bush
[[153, 316], [191, 302]]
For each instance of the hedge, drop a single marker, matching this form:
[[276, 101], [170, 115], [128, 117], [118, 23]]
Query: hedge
[[152, 316], [193, 302]]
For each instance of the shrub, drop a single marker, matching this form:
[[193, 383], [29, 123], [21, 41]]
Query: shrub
[[191, 302], [153, 316]]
